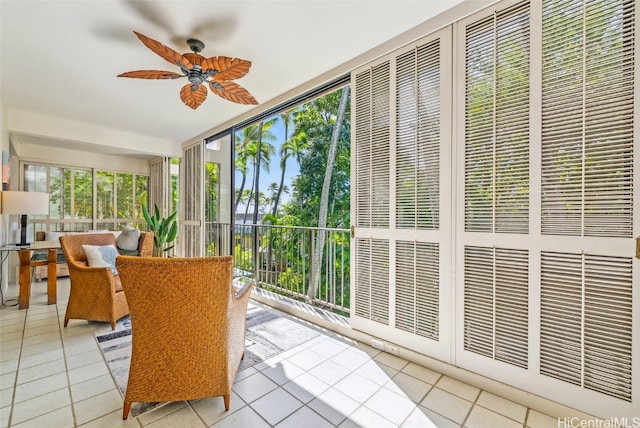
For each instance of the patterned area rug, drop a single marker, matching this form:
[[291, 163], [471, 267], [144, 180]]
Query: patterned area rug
[[267, 335]]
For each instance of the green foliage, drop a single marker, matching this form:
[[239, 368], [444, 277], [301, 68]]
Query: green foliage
[[118, 195], [291, 280], [164, 229], [212, 183], [211, 250], [243, 259], [313, 128], [306, 140]]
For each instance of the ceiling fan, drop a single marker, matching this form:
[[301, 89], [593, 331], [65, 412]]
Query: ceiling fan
[[216, 72]]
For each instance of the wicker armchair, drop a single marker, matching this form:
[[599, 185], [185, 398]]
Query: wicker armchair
[[96, 294], [187, 327]]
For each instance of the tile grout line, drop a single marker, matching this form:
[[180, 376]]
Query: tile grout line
[[290, 380], [117, 388], [15, 378], [475, 401], [444, 390], [66, 369], [65, 364], [502, 414], [526, 418]]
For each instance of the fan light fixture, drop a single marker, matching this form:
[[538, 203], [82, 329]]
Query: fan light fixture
[[216, 72]]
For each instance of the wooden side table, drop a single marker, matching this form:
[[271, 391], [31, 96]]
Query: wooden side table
[[24, 253]]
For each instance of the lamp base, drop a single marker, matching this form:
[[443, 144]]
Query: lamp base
[[23, 231]]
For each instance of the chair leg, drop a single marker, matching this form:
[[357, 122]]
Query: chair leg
[[227, 401], [113, 325], [126, 409], [242, 358], [66, 321]]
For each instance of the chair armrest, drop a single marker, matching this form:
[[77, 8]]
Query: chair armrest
[[90, 269], [243, 291], [92, 279]]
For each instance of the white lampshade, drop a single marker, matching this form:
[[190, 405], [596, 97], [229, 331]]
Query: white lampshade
[[14, 202]]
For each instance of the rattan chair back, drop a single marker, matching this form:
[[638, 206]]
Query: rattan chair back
[[188, 327]]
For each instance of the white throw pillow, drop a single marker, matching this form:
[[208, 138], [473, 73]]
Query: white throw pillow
[[128, 239], [101, 255]]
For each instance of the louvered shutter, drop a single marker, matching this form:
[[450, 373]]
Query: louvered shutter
[[159, 184], [372, 135], [544, 145], [372, 280], [418, 288], [192, 188], [418, 137], [586, 321], [497, 122], [587, 117], [547, 280], [496, 314], [587, 191], [496, 184], [371, 179], [401, 197], [417, 202]]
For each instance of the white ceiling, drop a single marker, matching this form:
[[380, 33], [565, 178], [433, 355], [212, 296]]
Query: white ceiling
[[60, 58]]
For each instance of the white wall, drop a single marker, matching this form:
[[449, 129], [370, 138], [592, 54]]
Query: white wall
[[4, 146], [67, 131], [66, 157]]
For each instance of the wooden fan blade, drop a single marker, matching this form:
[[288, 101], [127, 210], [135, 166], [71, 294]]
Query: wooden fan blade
[[151, 74], [193, 98], [195, 58], [164, 51], [227, 68], [233, 92]]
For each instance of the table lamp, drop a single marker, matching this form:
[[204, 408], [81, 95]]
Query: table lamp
[[23, 204]]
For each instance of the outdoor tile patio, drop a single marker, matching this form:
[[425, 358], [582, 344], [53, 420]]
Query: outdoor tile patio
[[57, 377]]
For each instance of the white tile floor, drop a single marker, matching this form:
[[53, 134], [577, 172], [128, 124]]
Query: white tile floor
[[56, 377]]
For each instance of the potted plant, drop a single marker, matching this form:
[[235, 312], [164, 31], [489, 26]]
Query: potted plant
[[164, 230]]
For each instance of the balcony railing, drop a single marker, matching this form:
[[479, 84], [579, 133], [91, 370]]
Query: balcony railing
[[286, 260]]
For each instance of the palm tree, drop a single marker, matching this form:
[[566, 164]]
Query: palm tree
[[297, 145], [272, 193], [285, 153], [260, 151], [242, 158], [324, 197], [263, 152]]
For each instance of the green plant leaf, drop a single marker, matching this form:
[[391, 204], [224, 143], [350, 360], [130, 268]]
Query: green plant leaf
[[164, 230], [146, 215]]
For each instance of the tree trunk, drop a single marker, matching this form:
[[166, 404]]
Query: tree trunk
[[284, 168], [239, 197], [277, 200], [324, 198], [256, 193]]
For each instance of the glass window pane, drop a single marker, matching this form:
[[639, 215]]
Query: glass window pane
[[82, 182], [211, 182], [104, 194], [56, 192], [142, 194], [124, 189]]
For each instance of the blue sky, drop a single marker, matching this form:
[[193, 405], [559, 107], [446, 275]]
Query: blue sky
[[273, 176]]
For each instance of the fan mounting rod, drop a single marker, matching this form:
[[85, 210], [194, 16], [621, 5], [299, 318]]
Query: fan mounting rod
[[195, 45]]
